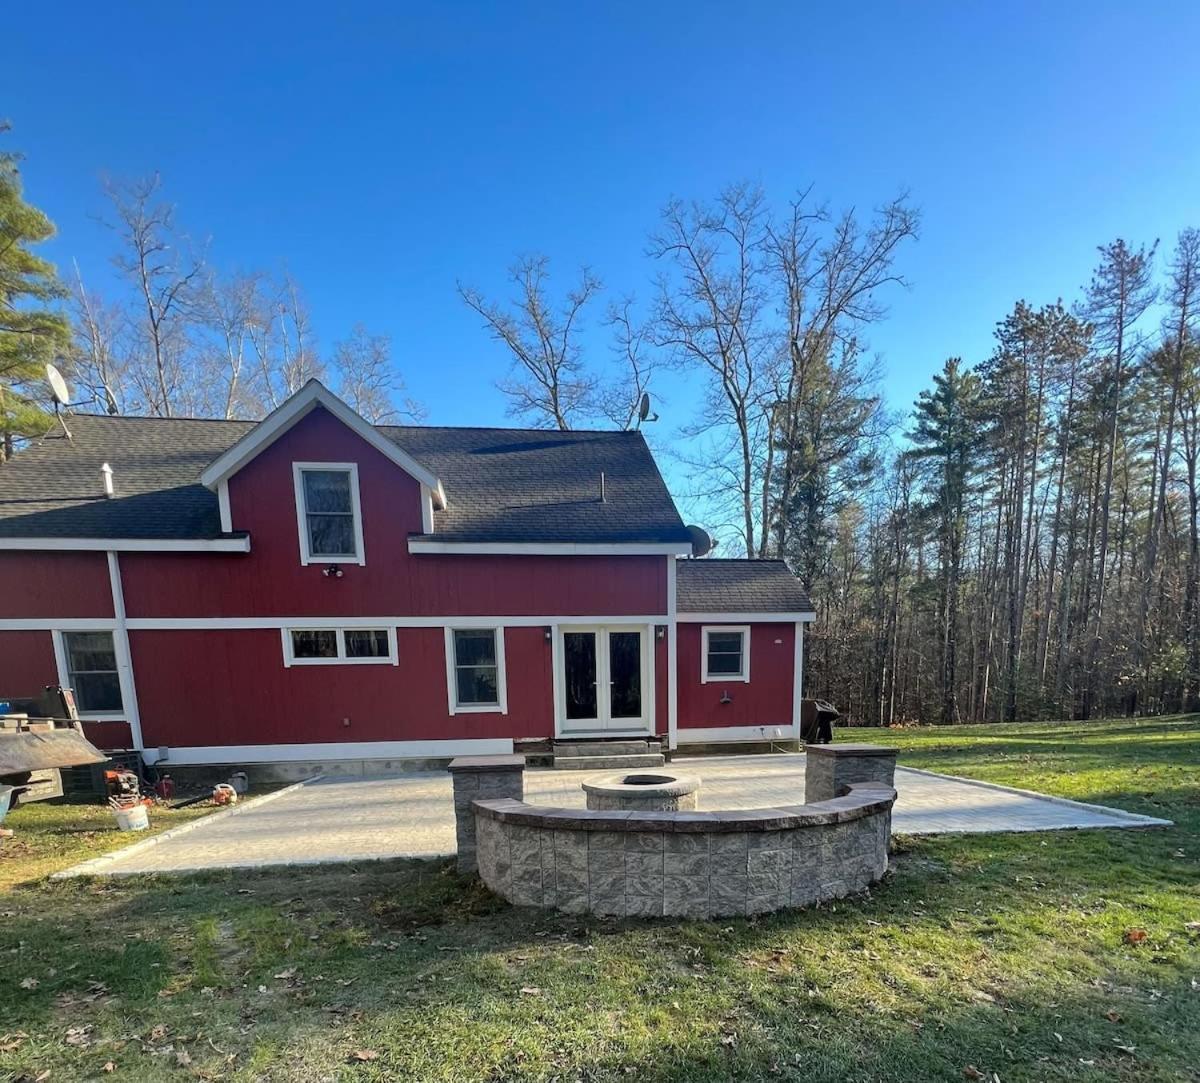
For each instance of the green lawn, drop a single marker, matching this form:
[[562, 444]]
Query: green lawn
[[1062, 956]]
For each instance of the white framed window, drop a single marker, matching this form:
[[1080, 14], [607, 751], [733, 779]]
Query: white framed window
[[725, 653], [339, 646], [87, 663], [328, 513], [475, 677]]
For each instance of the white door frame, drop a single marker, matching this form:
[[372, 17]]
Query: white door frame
[[604, 726]]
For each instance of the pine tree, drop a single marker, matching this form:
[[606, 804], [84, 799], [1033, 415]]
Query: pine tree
[[31, 332]]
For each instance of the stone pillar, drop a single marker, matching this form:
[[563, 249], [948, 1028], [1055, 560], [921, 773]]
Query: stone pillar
[[481, 777], [829, 769]]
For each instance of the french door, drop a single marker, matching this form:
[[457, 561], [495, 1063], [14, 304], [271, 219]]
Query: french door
[[604, 680]]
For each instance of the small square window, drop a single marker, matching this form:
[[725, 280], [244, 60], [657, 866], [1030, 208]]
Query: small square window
[[726, 654]]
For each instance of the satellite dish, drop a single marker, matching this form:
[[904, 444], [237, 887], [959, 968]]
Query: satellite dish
[[58, 386], [110, 402], [644, 409], [702, 541]]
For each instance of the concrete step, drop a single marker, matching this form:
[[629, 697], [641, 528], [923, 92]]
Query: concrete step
[[632, 747], [607, 763]]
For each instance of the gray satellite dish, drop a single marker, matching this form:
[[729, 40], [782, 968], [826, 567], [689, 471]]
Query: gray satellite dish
[[702, 541], [58, 386], [110, 402], [644, 409], [60, 394]]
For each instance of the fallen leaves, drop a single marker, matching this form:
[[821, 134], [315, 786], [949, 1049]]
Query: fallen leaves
[[530, 991], [30, 983], [1135, 936], [1112, 1015], [363, 1056], [971, 1072]]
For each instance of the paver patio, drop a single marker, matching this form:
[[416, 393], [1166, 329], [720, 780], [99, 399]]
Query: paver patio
[[347, 819]]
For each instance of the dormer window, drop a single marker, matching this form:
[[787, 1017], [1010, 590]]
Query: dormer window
[[328, 513]]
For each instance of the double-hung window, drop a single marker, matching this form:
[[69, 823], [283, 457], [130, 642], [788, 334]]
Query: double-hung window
[[726, 653], [332, 646], [328, 513], [91, 670], [475, 670]]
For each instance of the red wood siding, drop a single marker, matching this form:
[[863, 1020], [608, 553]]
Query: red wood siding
[[270, 580], [765, 701], [54, 585], [231, 688], [27, 665]]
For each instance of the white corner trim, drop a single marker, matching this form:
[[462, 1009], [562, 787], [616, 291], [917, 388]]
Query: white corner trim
[[695, 735], [324, 752], [742, 677], [129, 701], [224, 508], [746, 618], [294, 409], [130, 545], [417, 544], [360, 554], [798, 682], [289, 658], [672, 656], [426, 510], [452, 705]]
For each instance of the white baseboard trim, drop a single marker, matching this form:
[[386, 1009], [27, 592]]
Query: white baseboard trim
[[695, 735], [327, 751]]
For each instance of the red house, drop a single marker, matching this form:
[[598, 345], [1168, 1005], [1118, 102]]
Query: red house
[[311, 588]]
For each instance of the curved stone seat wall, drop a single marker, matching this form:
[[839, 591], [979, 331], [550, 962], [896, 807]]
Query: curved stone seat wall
[[687, 864]]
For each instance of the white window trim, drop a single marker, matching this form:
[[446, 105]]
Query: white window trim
[[289, 659], [452, 703], [724, 678], [306, 557], [63, 664]]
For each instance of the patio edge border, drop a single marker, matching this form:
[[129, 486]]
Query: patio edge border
[[99, 865]]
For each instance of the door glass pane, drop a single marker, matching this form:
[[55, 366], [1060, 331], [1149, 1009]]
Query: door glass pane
[[579, 658], [625, 672]]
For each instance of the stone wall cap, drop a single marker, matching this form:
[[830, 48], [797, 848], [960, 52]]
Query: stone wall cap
[[487, 763], [863, 799], [848, 749]]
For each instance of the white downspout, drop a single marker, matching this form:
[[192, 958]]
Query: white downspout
[[798, 681], [672, 661]]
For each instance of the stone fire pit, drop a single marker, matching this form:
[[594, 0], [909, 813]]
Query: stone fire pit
[[642, 791]]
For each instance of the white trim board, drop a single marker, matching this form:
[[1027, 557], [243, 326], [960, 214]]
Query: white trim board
[[333, 750], [130, 545], [418, 544], [312, 395], [697, 735], [672, 655], [745, 618]]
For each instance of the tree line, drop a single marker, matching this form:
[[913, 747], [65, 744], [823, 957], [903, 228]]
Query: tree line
[[1023, 544]]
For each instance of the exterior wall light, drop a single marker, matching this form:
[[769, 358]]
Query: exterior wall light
[[333, 571]]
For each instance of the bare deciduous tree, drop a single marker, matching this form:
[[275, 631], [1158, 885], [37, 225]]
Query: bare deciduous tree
[[368, 380], [549, 384]]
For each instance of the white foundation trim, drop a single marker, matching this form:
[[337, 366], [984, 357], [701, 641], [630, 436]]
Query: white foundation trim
[[715, 734], [567, 549], [130, 545], [745, 618], [333, 750]]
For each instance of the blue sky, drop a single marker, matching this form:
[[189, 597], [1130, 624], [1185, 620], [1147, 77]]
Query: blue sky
[[383, 151]]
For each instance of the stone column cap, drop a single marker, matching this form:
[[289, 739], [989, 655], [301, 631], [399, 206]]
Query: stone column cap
[[848, 749], [487, 763]]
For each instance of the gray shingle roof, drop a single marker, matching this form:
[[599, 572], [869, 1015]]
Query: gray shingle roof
[[739, 586], [511, 485]]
